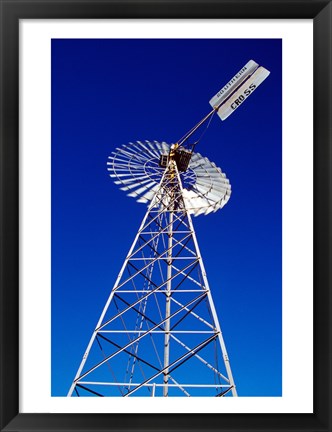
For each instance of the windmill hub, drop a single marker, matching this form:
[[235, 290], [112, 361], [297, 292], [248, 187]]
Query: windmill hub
[[179, 154]]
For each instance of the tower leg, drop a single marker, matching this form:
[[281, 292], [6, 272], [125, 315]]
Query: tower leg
[[168, 302]]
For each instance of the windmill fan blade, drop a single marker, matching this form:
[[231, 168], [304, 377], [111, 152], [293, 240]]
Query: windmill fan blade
[[141, 190], [136, 169], [148, 196]]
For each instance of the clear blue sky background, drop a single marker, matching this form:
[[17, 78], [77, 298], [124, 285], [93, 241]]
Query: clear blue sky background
[[106, 93]]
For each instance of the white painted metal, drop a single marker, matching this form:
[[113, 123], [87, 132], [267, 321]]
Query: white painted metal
[[184, 298], [157, 331], [233, 84], [135, 168], [154, 384], [184, 356], [241, 94], [168, 289], [200, 358], [128, 345]]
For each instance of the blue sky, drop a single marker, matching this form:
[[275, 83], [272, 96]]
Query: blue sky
[[106, 93]]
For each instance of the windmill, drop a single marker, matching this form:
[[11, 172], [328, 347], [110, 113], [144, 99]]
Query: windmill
[[159, 332]]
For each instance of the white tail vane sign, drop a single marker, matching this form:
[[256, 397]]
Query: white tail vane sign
[[238, 89]]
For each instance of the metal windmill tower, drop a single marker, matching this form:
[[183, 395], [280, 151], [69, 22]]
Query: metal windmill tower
[[159, 333]]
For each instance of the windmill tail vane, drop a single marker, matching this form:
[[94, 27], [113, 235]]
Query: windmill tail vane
[[233, 94], [159, 334]]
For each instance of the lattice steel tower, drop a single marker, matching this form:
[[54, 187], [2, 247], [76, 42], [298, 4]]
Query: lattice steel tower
[[159, 333]]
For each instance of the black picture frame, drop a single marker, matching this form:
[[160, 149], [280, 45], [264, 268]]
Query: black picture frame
[[11, 12]]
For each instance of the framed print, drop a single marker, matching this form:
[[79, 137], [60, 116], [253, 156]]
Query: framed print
[[209, 191], [102, 96]]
